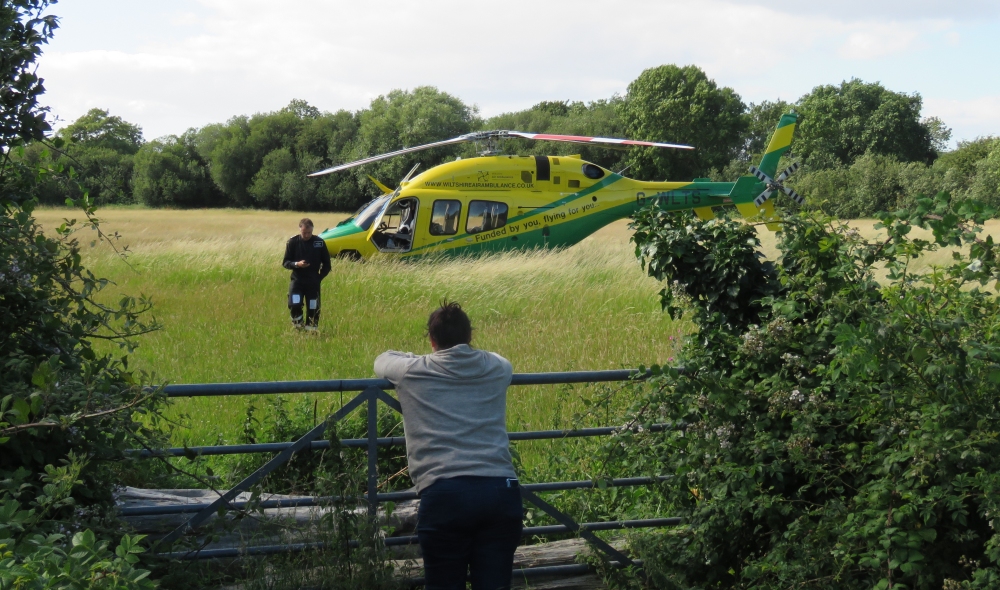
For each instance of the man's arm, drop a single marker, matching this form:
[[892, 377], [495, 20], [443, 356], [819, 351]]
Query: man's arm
[[508, 367], [392, 365], [324, 259], [289, 261]]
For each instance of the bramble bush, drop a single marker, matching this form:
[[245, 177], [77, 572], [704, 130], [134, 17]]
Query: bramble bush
[[838, 412]]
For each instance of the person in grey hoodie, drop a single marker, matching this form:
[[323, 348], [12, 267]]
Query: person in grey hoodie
[[454, 404]]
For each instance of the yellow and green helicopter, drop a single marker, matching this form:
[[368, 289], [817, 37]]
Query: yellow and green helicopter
[[500, 202]]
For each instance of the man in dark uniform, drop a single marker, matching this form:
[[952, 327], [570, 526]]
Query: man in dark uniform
[[309, 260]]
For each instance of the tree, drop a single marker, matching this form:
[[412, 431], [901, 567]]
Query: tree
[[24, 29], [311, 142], [940, 133], [170, 172], [959, 167], [986, 185], [597, 118], [407, 118], [99, 129], [230, 161], [842, 123], [264, 160], [681, 105], [99, 148]]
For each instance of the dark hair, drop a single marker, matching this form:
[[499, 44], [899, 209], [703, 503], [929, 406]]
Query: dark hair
[[449, 326], [305, 221]]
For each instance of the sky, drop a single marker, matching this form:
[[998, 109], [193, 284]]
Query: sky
[[172, 65]]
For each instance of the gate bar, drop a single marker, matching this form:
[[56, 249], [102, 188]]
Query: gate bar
[[308, 501], [412, 540], [338, 385], [387, 441]]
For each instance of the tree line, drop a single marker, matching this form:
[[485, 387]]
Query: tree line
[[864, 148]]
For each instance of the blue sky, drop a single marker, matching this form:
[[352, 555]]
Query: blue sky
[[168, 66]]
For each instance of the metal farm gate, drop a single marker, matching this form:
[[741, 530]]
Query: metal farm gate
[[373, 392]]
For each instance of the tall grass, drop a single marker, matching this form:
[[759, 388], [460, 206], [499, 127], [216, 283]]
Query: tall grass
[[220, 293]]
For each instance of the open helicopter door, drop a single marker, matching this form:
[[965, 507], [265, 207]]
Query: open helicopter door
[[396, 229]]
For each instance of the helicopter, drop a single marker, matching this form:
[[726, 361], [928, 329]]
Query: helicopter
[[500, 202]]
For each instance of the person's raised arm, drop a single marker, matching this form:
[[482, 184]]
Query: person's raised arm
[[289, 261]]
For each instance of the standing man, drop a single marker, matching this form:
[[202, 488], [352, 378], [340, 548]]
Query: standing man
[[309, 260], [454, 417]]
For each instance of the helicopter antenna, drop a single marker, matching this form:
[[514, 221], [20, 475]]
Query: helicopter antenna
[[622, 171]]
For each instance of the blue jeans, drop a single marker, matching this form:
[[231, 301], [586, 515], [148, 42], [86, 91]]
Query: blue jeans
[[469, 524]]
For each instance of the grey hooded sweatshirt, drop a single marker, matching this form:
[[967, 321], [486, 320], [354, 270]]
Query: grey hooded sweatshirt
[[454, 411]]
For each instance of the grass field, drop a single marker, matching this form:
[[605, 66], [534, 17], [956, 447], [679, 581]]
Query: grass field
[[220, 293]]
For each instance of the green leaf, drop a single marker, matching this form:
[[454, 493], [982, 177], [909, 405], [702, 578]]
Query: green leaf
[[21, 411]]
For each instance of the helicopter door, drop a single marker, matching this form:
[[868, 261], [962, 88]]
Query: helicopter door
[[394, 231]]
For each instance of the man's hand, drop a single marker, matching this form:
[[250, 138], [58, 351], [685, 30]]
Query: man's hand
[[301, 264]]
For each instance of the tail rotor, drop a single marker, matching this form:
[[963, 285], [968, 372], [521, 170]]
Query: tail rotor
[[776, 184]]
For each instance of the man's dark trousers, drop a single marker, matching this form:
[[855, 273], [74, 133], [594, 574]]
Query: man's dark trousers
[[304, 303], [469, 524]]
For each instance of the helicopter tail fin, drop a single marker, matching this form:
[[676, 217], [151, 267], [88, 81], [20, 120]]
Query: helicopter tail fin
[[781, 142], [750, 201]]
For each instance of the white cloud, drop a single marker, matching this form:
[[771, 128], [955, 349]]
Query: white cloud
[[878, 41], [117, 61], [968, 118], [229, 57], [891, 10]]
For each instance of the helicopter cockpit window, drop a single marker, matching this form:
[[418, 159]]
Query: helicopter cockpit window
[[485, 216], [592, 172], [394, 232], [444, 217], [364, 217]]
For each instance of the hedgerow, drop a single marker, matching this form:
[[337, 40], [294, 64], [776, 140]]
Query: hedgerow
[[837, 416]]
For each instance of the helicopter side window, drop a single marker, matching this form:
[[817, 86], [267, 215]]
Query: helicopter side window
[[592, 172], [485, 216], [444, 217]]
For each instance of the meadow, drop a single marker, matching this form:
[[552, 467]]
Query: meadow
[[219, 290], [220, 294]]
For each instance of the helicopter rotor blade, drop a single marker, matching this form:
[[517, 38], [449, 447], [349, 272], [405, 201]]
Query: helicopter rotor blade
[[427, 146], [760, 175], [490, 135], [763, 197], [788, 172], [794, 195], [610, 141]]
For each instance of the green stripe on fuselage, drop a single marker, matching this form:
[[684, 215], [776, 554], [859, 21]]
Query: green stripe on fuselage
[[604, 183], [341, 231], [558, 236]]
